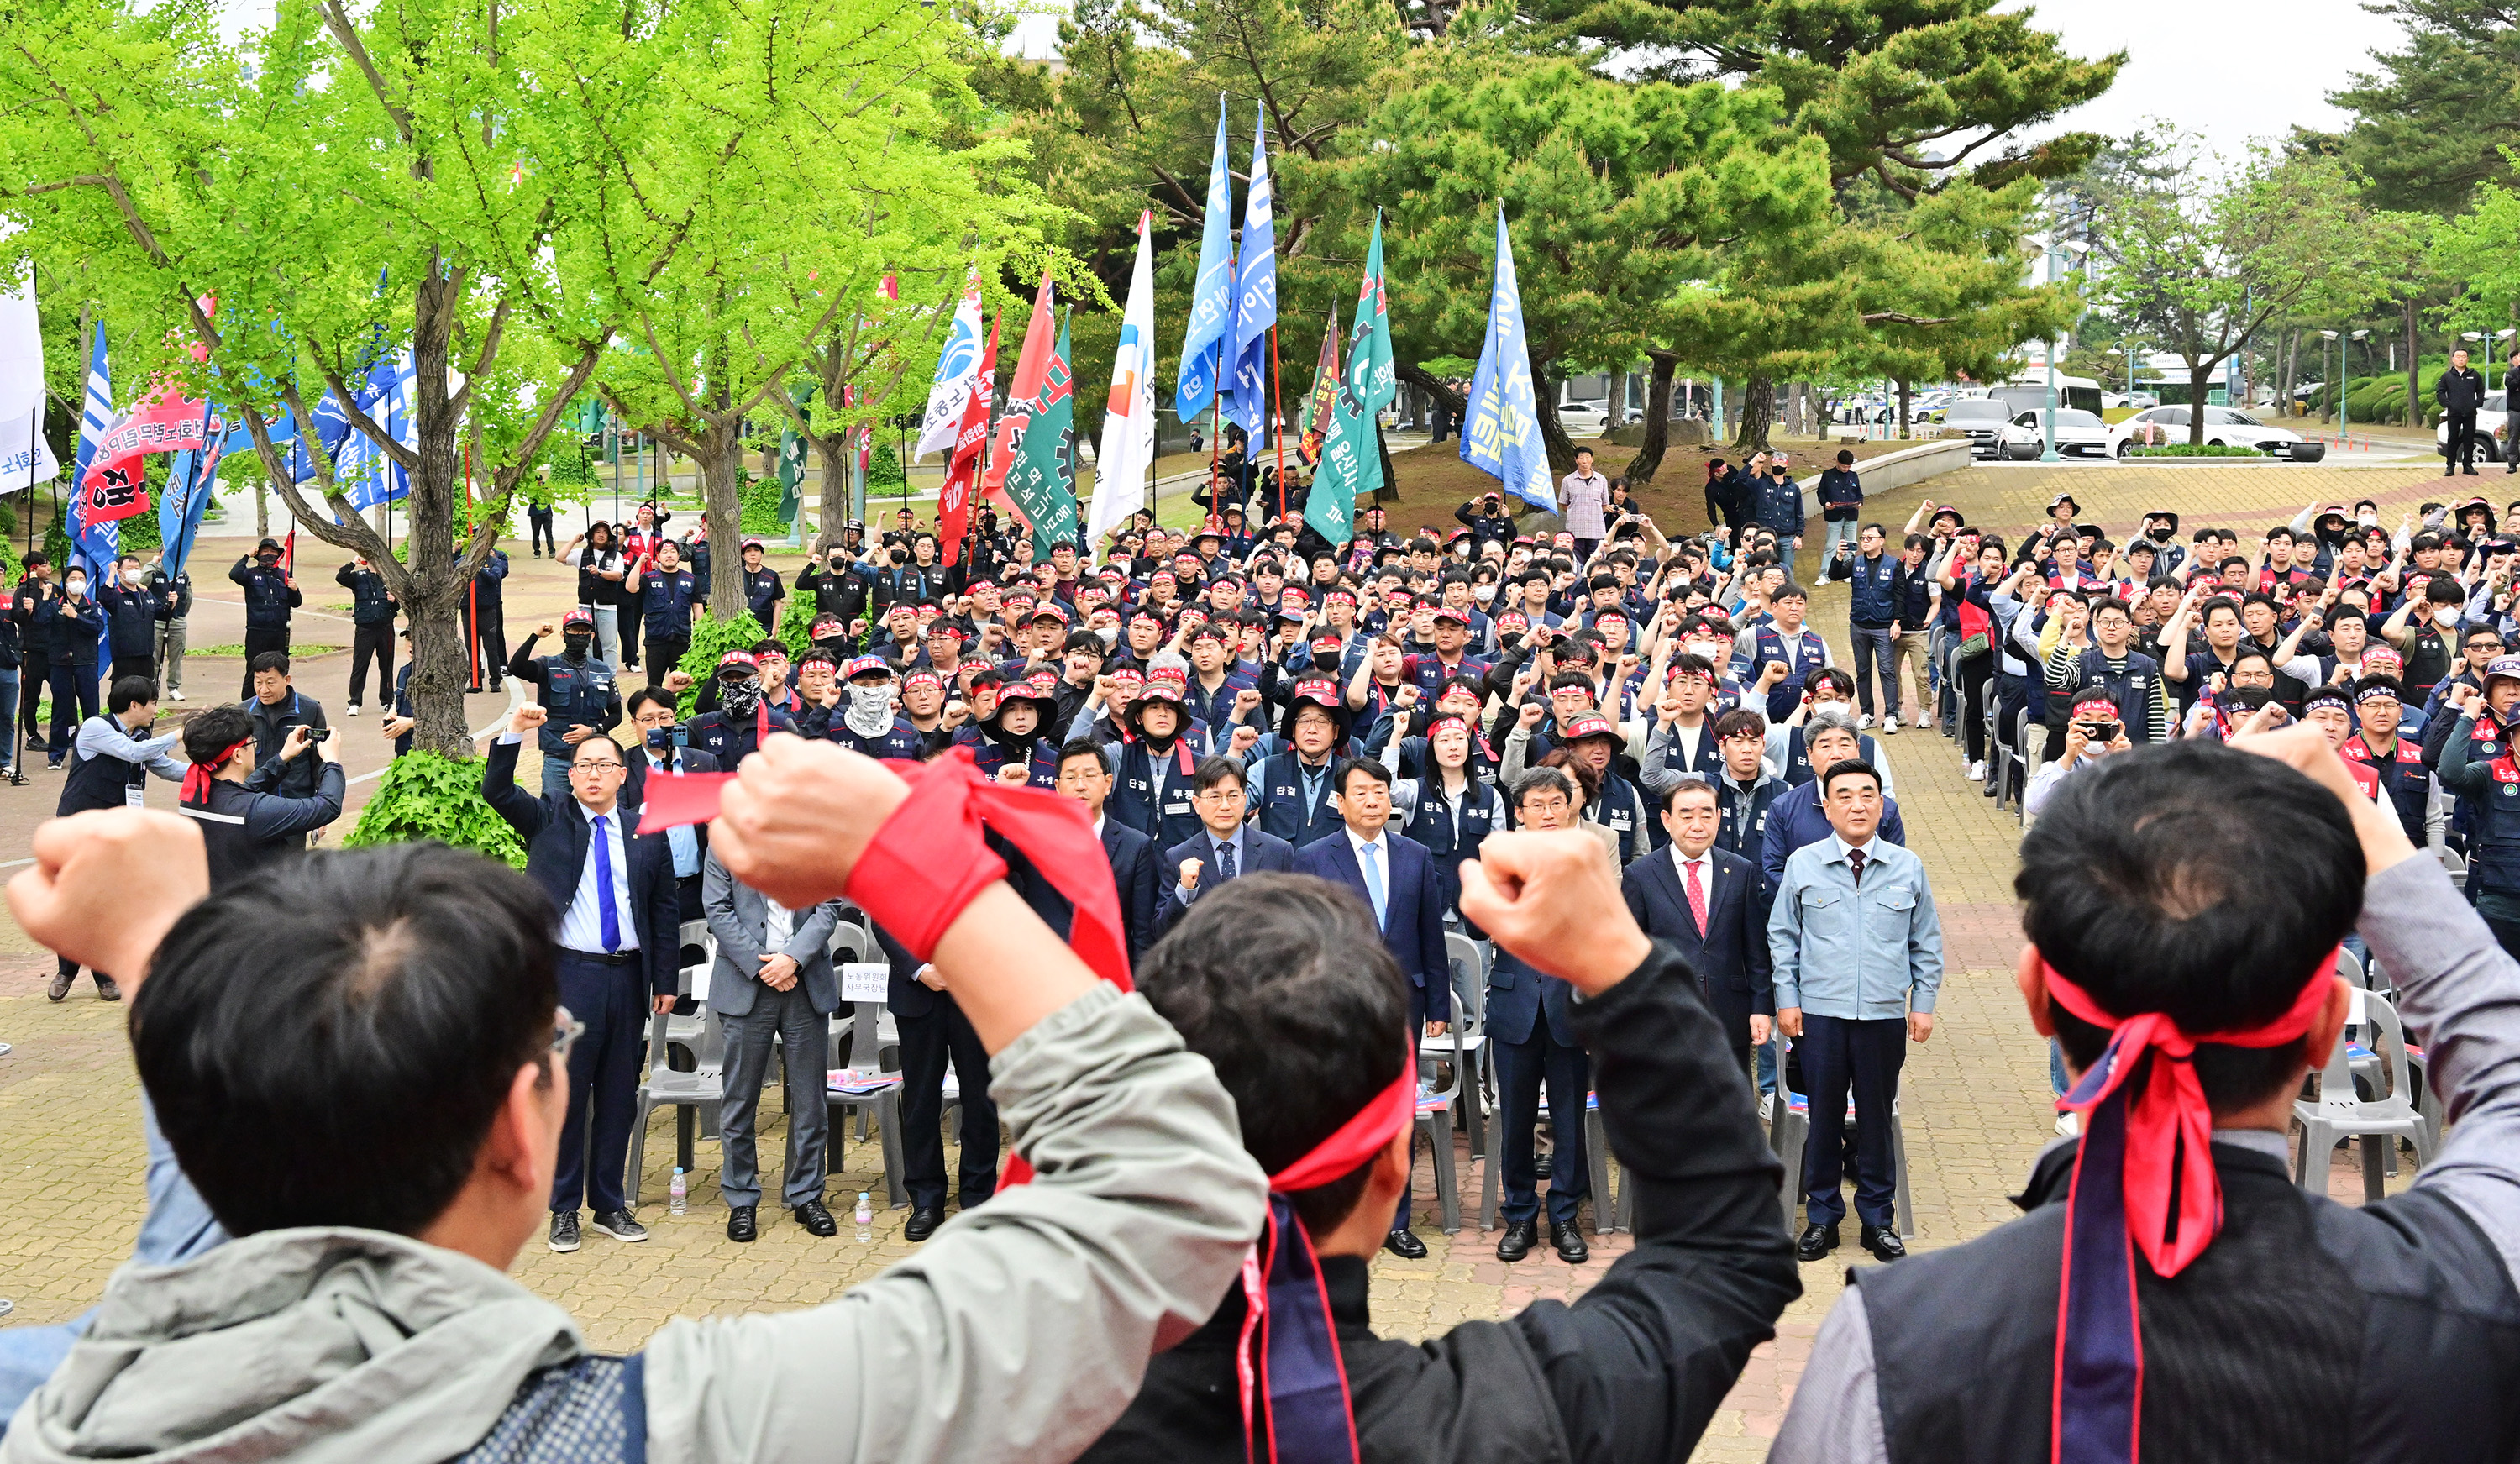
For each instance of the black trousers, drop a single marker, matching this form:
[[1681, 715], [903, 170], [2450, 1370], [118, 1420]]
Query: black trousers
[[545, 536], [74, 700], [664, 652], [492, 657], [2462, 442], [602, 1079], [1522, 1069], [1731, 1010], [32, 679], [1839, 1053], [258, 642], [1975, 671], [927, 1043], [371, 643]]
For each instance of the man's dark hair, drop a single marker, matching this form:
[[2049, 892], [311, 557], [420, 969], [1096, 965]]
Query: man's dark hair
[[1738, 721], [1831, 676], [2184, 910], [1349, 768], [1280, 981], [1219, 769], [214, 729], [1538, 779], [2101, 602], [656, 694], [1853, 767], [1082, 747], [2253, 654], [327, 1041], [269, 660], [609, 741], [2441, 590], [771, 646], [2260, 598], [1788, 591], [129, 691], [2205, 612]]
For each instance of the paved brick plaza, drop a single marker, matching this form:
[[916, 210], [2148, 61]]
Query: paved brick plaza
[[1975, 1101]]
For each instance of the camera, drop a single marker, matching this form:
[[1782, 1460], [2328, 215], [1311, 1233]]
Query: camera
[[2099, 731], [319, 734]]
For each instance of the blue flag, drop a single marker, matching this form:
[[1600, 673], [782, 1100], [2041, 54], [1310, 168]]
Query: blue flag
[[1211, 299], [362, 473], [193, 481], [1502, 433], [93, 543], [1255, 303]]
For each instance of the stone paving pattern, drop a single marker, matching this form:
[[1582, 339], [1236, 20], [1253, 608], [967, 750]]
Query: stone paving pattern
[[1975, 1101]]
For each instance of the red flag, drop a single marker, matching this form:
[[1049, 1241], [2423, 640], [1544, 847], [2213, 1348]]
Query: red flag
[[288, 556], [1041, 342], [954, 501]]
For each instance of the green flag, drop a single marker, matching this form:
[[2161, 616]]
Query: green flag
[[1351, 452], [1043, 480], [791, 474], [1313, 419]]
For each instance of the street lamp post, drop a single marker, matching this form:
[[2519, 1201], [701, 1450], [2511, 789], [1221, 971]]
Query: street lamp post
[[2048, 449], [2333, 395], [2344, 407]]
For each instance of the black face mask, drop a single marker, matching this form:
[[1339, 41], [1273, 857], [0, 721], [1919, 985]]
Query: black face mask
[[900, 556], [833, 643], [573, 648]]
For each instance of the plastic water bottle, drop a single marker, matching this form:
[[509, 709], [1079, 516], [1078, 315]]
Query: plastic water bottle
[[676, 1193], [865, 1219]]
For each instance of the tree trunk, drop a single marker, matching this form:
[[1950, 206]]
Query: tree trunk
[[1647, 461], [1553, 432], [2196, 374], [1905, 391], [2414, 377], [1456, 405], [831, 451], [262, 507], [721, 465], [1758, 408]]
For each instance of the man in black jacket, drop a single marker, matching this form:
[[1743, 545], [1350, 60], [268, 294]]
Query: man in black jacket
[[270, 594], [2460, 391], [1633, 1370], [248, 821], [620, 943], [372, 634]]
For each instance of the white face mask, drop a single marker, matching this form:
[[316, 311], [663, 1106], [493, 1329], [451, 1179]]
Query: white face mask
[[2446, 617], [870, 710], [1483, 593], [76, 586], [1712, 650]]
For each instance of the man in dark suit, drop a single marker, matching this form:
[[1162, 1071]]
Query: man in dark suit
[[660, 749], [935, 1032], [1225, 848], [1711, 904], [1531, 1030], [1396, 877], [772, 979], [1084, 776], [619, 945]]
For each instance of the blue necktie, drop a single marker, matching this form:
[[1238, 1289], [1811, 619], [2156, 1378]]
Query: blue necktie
[[1225, 859], [1373, 880], [610, 916]]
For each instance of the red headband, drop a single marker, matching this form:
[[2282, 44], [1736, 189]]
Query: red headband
[[1296, 1366], [195, 786], [2145, 1149]]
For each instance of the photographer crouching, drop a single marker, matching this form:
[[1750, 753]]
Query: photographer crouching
[[245, 821]]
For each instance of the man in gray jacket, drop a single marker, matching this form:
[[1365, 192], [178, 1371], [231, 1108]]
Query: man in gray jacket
[[362, 1056], [773, 977]]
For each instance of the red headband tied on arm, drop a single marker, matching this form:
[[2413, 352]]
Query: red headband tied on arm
[[2143, 1179]]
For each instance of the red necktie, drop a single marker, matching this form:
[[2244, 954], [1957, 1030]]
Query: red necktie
[[1697, 896], [1855, 862]]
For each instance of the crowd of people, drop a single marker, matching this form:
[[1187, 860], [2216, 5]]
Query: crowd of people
[[1625, 767]]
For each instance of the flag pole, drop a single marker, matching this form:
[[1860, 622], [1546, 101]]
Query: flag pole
[[17, 715], [1277, 418]]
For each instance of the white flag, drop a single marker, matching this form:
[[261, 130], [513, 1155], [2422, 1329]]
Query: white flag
[[956, 370], [1128, 447], [26, 458]]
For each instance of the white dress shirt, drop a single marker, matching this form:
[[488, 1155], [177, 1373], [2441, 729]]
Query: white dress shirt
[[1381, 856], [581, 925]]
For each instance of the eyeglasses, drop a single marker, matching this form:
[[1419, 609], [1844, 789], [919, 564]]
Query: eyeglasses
[[566, 1031], [590, 765]]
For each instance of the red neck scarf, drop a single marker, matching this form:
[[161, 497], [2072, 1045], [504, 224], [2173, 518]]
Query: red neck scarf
[[2143, 1179], [1296, 1366]]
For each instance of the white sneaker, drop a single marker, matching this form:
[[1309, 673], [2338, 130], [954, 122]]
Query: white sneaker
[[1864, 720], [2069, 1123], [1977, 773], [1766, 1106], [1922, 719], [1890, 727], [177, 695], [354, 709]]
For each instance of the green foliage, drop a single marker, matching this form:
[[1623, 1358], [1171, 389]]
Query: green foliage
[[796, 623], [428, 795], [2439, 117], [140, 532], [884, 470], [2193, 450], [711, 638], [760, 498]]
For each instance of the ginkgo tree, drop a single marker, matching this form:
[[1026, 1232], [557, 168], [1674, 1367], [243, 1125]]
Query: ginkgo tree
[[499, 186]]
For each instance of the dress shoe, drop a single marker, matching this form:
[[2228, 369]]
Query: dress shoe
[[923, 1223], [1542, 1166], [740, 1226], [620, 1224], [107, 991], [1568, 1242], [1883, 1242], [1517, 1241], [815, 1219], [60, 990], [1404, 1245], [563, 1230], [1814, 1242]]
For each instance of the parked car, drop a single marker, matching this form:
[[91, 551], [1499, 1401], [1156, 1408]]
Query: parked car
[[2492, 430], [2134, 401], [1584, 419], [2078, 434], [1978, 418], [2224, 427]]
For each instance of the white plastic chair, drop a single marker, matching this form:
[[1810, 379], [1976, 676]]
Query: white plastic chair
[[694, 1094], [2339, 1112]]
